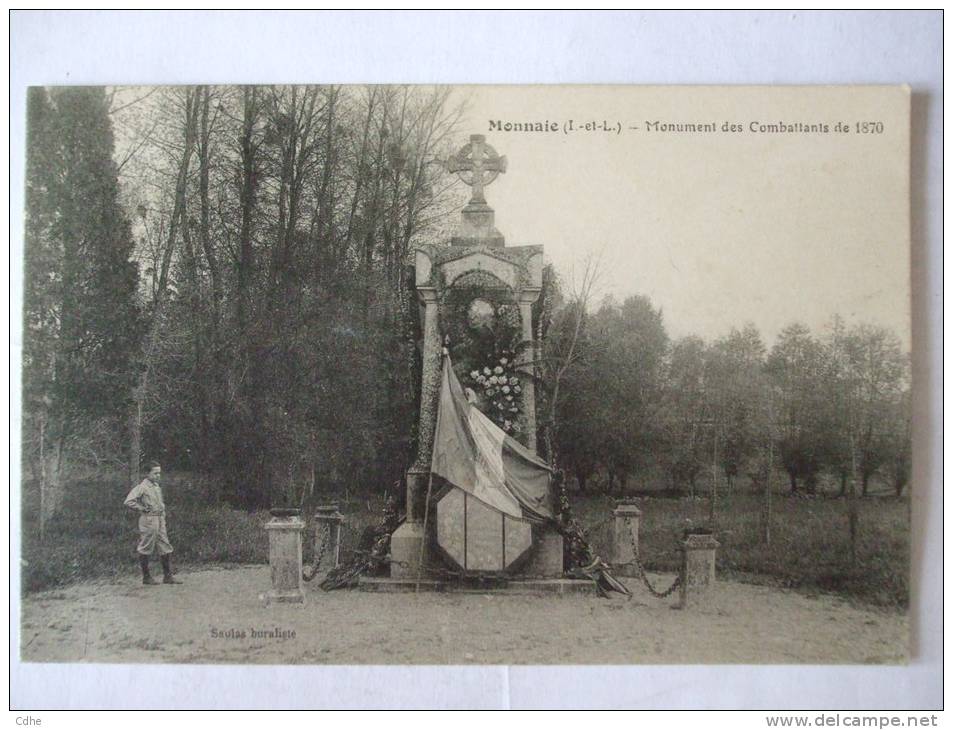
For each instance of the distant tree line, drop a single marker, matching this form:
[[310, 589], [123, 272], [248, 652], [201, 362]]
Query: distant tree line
[[835, 403]]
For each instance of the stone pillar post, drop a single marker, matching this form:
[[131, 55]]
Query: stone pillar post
[[284, 556], [429, 378], [405, 543], [698, 568], [625, 538], [527, 297], [328, 522]]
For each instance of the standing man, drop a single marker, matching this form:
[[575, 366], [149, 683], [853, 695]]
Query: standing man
[[146, 498]]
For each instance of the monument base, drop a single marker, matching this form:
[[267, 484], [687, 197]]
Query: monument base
[[405, 545], [284, 596], [547, 556]]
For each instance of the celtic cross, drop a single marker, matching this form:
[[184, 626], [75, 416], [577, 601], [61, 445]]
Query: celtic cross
[[477, 164]]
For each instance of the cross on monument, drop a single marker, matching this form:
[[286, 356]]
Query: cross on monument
[[477, 164]]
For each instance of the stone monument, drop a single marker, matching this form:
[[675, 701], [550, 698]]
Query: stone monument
[[477, 294]]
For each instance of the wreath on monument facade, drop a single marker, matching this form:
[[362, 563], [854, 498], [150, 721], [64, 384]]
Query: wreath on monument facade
[[486, 340], [501, 389]]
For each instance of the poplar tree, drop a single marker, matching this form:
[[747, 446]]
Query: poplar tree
[[80, 312]]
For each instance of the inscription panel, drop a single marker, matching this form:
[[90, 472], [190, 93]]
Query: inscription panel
[[474, 536], [451, 535], [503, 270], [484, 536]]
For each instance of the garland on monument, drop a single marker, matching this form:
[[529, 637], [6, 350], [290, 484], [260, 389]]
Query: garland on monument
[[580, 558], [372, 553]]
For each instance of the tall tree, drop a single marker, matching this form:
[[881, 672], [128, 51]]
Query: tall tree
[[563, 347], [173, 227], [798, 367], [899, 442], [737, 397], [82, 324], [684, 416], [866, 373], [628, 344], [868, 380]]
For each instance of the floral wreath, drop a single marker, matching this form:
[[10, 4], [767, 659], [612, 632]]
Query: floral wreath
[[499, 384]]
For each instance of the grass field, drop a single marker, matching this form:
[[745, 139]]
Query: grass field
[[809, 549], [93, 535]]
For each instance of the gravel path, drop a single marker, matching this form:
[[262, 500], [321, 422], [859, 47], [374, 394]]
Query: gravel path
[[210, 619]]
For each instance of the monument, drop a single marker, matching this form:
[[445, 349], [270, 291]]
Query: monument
[[476, 295]]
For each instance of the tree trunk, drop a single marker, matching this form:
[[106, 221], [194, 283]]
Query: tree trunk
[[51, 483], [244, 437], [898, 486], [766, 502], [205, 239], [43, 485], [792, 477], [713, 487], [248, 157], [811, 483], [853, 520], [178, 218], [135, 438], [843, 484], [864, 483]]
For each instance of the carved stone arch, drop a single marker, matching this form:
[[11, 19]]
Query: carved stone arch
[[480, 260], [481, 279]]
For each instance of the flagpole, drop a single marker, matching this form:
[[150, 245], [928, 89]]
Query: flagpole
[[423, 542]]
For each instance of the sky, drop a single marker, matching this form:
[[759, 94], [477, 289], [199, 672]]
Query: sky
[[718, 229]]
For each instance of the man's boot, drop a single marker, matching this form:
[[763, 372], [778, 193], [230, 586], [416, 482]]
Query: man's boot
[[167, 571], [147, 579]]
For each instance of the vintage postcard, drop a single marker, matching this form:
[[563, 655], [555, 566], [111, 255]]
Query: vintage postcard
[[453, 375]]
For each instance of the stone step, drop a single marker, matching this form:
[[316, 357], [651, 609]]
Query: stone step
[[559, 586]]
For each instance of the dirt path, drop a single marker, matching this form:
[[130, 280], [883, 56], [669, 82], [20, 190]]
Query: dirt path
[[210, 619]]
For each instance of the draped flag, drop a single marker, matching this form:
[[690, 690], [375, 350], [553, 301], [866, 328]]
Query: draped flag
[[473, 453]]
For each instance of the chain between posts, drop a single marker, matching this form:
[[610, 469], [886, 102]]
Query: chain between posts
[[645, 580], [309, 574], [592, 528], [345, 574], [642, 575]]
